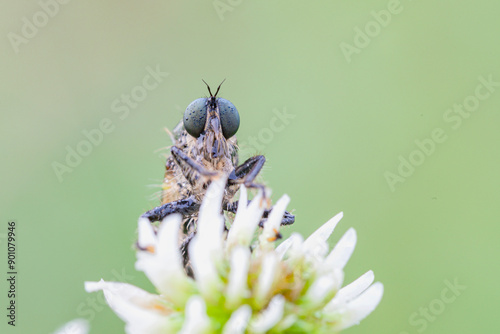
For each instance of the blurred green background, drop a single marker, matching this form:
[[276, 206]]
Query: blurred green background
[[360, 92]]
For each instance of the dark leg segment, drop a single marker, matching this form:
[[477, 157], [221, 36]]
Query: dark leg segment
[[185, 254], [183, 206], [288, 218], [185, 161], [247, 172]]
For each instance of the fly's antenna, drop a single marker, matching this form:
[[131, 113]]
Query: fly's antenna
[[209, 87], [219, 87]]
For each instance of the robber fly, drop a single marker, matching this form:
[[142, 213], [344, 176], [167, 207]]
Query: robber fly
[[205, 146]]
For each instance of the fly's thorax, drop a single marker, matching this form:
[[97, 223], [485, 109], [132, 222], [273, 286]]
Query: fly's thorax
[[222, 164]]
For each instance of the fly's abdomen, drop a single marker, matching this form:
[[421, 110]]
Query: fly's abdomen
[[171, 190]]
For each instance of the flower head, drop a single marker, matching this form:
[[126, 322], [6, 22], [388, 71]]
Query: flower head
[[242, 282]]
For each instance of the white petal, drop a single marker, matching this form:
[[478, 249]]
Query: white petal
[[212, 201], [238, 321], [360, 307], [205, 270], [196, 317], [210, 220], [267, 277], [294, 241], [243, 200], [316, 244], [138, 308], [237, 287], [77, 326], [268, 318], [205, 250], [342, 251], [146, 233], [351, 291], [324, 286], [273, 222], [245, 222], [168, 250], [164, 266]]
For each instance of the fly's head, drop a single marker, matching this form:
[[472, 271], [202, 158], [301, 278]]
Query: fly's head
[[212, 122]]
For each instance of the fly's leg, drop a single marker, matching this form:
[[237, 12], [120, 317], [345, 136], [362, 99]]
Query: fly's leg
[[189, 166], [185, 255], [288, 218], [183, 206], [247, 172]]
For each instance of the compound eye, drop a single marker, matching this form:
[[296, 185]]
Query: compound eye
[[229, 118], [195, 117]]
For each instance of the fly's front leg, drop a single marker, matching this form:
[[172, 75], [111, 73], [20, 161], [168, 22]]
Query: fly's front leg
[[183, 206], [247, 172], [189, 166], [186, 206]]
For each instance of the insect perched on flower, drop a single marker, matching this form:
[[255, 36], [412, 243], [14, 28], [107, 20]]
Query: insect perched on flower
[[205, 148]]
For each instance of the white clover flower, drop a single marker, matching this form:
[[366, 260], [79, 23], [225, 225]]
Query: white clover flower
[[242, 283]]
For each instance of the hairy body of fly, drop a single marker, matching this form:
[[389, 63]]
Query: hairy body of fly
[[181, 181], [175, 184]]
